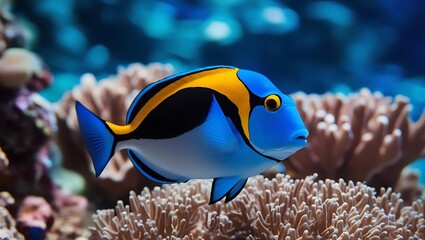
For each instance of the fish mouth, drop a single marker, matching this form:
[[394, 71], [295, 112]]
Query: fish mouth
[[299, 139], [296, 141]]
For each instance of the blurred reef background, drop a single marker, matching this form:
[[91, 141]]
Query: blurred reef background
[[310, 46], [313, 46], [356, 70]]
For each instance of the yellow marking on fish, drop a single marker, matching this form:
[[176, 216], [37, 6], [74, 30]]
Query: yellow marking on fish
[[222, 80]]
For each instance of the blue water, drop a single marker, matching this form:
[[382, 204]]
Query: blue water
[[311, 46]]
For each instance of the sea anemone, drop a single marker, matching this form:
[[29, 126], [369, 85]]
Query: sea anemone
[[280, 208]]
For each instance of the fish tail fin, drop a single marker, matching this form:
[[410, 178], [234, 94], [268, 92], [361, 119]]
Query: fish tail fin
[[98, 138]]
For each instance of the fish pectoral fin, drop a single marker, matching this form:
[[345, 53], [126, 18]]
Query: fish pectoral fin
[[222, 186], [217, 129]]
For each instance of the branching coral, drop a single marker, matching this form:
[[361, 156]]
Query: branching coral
[[109, 99], [281, 208], [363, 137]]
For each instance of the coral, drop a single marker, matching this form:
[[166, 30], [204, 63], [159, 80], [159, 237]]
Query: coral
[[6, 199], [70, 219], [362, 137], [28, 123], [109, 99], [162, 212], [27, 126], [409, 187], [281, 208], [7, 222], [8, 226], [35, 212], [27, 131], [17, 66], [62, 219]]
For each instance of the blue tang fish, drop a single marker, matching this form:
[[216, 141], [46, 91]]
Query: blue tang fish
[[216, 122]]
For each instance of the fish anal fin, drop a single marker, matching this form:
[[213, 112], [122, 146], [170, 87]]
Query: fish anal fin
[[221, 186], [149, 173], [236, 190]]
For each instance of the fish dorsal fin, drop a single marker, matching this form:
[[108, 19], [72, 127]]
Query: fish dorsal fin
[[221, 186], [218, 130], [153, 88]]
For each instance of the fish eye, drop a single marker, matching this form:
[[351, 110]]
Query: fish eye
[[272, 102]]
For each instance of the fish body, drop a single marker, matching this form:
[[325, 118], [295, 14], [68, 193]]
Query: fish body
[[216, 122]]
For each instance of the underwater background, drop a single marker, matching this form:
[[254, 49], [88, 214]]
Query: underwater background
[[310, 46], [366, 50]]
